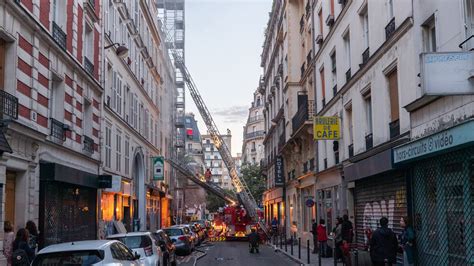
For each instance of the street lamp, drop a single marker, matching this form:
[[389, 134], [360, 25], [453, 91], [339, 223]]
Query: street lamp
[[121, 51]]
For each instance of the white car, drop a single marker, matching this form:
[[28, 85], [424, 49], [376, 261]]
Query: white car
[[144, 244], [89, 252]]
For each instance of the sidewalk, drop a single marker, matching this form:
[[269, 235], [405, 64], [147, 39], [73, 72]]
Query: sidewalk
[[313, 258]]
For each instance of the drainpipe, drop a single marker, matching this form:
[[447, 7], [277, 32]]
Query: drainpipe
[[316, 158]]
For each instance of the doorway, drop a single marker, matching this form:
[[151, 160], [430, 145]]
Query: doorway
[[10, 197]]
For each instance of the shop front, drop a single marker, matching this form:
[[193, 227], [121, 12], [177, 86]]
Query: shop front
[[153, 208], [273, 205], [117, 207], [68, 203], [442, 165], [328, 197]]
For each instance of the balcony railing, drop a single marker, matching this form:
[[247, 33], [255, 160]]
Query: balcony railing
[[351, 150], [254, 134], [348, 75], [58, 130], [309, 57], [88, 66], [59, 36], [255, 118], [390, 29], [365, 56], [394, 128], [8, 105], [305, 113], [88, 145], [369, 141], [92, 3], [302, 69]]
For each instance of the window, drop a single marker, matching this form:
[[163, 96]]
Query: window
[[350, 126], [108, 145], [88, 41], [118, 149], [253, 145], [365, 28], [469, 21], [429, 35], [368, 112], [320, 16], [127, 155], [117, 93], [59, 13], [323, 85], [254, 129], [393, 90], [347, 48], [334, 72]]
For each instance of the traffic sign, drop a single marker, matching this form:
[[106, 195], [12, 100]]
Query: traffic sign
[[326, 128]]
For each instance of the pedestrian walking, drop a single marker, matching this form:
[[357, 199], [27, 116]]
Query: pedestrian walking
[[347, 229], [322, 238], [9, 237], [314, 231], [33, 234], [274, 226], [407, 241], [208, 175], [22, 253], [383, 245], [338, 238]]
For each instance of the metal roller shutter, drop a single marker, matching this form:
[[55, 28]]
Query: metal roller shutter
[[383, 195]]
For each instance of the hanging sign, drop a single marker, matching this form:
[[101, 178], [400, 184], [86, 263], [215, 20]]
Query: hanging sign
[[279, 173], [326, 128], [116, 185], [158, 168]]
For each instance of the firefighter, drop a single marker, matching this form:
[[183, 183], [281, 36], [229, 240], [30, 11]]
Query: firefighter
[[254, 240], [208, 175]]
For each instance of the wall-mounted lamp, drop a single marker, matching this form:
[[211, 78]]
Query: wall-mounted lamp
[[121, 51]]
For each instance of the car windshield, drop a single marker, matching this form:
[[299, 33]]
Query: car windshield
[[173, 232], [82, 257], [133, 242]]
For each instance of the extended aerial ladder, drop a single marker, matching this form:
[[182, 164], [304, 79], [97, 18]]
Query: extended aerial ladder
[[240, 186], [214, 189]]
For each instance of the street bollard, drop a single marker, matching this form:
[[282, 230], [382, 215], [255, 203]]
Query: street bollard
[[292, 245], [286, 244], [299, 247], [294, 238], [319, 258], [308, 250], [281, 243], [356, 257]]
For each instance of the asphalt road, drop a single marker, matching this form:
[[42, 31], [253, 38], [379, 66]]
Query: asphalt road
[[235, 254]]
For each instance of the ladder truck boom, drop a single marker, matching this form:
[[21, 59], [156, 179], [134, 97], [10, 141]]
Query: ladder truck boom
[[239, 184]]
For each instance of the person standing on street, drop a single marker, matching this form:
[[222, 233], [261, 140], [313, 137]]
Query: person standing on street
[[314, 231], [275, 226], [407, 241], [322, 238], [8, 239], [347, 229], [338, 238], [383, 245], [33, 234], [22, 253]]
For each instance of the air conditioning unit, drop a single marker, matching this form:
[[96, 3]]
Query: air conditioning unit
[[330, 20], [319, 39]]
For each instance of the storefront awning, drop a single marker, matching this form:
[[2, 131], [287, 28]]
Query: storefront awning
[[62, 173]]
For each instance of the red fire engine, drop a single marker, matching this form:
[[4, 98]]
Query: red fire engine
[[234, 223]]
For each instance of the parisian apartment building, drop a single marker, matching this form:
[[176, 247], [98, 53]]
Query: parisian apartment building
[[88, 93], [213, 160], [252, 148], [365, 62]]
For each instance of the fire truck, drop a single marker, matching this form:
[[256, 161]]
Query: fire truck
[[234, 223]]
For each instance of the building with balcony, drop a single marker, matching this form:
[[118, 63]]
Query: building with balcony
[[51, 94], [213, 160], [253, 150], [137, 117], [287, 85]]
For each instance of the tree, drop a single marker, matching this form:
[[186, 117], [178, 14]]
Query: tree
[[213, 202], [254, 179]]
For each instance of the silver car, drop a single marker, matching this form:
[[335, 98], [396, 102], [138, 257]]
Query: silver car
[[143, 243], [183, 241], [90, 252]]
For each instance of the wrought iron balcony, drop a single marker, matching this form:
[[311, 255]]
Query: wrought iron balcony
[[88, 145], [394, 128], [348, 75], [304, 114], [255, 118], [334, 90], [351, 150], [92, 3], [309, 57], [88, 66], [8, 105], [254, 134], [365, 56], [303, 69], [58, 129], [390, 29], [369, 141], [59, 36]]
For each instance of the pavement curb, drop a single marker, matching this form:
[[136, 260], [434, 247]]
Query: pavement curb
[[277, 249], [199, 257]]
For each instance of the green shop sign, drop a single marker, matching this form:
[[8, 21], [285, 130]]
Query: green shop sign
[[444, 140], [158, 168]]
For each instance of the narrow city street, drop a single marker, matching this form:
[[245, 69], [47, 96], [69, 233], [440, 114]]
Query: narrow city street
[[235, 253]]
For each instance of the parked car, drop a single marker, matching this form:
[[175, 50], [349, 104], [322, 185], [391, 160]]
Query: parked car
[[167, 247], [192, 233], [89, 252], [142, 243], [181, 238], [199, 231]]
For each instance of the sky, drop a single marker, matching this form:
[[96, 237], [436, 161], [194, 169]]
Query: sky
[[223, 45]]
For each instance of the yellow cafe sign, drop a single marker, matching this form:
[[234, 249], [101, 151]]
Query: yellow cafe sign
[[326, 128]]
